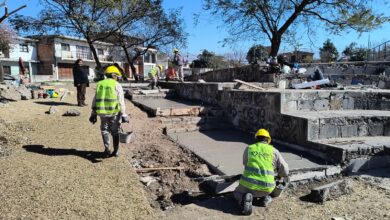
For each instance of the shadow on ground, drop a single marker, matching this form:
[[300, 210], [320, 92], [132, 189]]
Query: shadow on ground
[[54, 103], [93, 156]]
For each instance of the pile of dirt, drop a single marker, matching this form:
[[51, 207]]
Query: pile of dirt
[[150, 148], [163, 185]]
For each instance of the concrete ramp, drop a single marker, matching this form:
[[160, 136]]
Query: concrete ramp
[[223, 151]]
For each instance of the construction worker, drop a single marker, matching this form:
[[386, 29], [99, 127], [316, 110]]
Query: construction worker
[[262, 163], [154, 74], [109, 104], [178, 64]]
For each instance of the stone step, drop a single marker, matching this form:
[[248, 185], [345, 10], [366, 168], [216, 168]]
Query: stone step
[[344, 124], [348, 149]]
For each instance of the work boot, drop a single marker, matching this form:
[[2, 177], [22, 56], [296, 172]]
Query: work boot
[[106, 153], [265, 201], [115, 141], [246, 204]]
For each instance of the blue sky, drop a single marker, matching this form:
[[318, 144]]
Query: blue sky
[[207, 33]]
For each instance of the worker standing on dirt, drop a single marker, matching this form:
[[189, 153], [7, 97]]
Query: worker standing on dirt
[[109, 104], [178, 65], [81, 82], [154, 73], [262, 163]]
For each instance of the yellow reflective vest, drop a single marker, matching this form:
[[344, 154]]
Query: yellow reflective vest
[[259, 171], [106, 98]]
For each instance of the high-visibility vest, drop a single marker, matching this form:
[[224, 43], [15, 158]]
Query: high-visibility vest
[[259, 171], [153, 72], [106, 98]]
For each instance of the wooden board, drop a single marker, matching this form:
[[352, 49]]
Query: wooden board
[[248, 84]]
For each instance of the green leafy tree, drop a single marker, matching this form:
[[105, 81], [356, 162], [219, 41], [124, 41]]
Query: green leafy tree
[[255, 53], [208, 59], [328, 52], [355, 53], [248, 19]]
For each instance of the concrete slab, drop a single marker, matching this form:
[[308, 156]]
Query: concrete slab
[[169, 103], [223, 150], [170, 107]]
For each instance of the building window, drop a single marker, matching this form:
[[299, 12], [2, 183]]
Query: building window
[[100, 52], [23, 48], [154, 58], [147, 58], [65, 47], [83, 52]]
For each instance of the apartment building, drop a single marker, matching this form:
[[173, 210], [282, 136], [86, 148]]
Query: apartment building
[[57, 55], [24, 49]]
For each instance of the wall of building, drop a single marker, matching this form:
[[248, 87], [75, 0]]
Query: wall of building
[[15, 52]]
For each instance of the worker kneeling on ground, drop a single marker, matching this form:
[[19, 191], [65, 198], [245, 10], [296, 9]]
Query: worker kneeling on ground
[[154, 74], [109, 104], [262, 163]]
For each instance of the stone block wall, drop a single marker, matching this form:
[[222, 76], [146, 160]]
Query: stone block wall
[[341, 127], [250, 73], [334, 100]]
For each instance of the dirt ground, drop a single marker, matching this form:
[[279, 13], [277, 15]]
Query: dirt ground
[[51, 168]]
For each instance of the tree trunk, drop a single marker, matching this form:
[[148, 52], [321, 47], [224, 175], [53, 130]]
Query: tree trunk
[[1, 72], [275, 44], [94, 54], [130, 62]]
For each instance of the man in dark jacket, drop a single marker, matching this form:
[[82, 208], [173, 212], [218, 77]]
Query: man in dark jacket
[[81, 81]]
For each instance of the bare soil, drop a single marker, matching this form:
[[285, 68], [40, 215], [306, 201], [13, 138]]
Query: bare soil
[[51, 168]]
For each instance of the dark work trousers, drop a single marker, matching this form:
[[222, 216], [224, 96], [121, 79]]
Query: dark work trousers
[[110, 125], [81, 90]]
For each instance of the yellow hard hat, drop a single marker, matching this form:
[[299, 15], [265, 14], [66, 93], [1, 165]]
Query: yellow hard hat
[[113, 70], [160, 67], [175, 50], [263, 133]]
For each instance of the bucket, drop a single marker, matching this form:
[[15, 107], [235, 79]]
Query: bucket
[[280, 187], [125, 137]]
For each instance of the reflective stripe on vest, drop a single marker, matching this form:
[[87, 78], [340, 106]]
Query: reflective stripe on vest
[[259, 172], [106, 98]]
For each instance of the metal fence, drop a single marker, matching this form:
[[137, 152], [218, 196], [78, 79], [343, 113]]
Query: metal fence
[[380, 52]]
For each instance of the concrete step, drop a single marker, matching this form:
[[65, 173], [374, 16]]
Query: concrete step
[[348, 149], [140, 95], [344, 124], [223, 149], [176, 107], [194, 123]]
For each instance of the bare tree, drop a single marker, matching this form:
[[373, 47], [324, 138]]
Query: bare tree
[[6, 34], [148, 27], [90, 19], [272, 19], [6, 13], [236, 57]]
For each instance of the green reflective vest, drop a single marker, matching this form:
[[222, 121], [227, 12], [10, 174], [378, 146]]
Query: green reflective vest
[[106, 99], [259, 171], [153, 72]]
